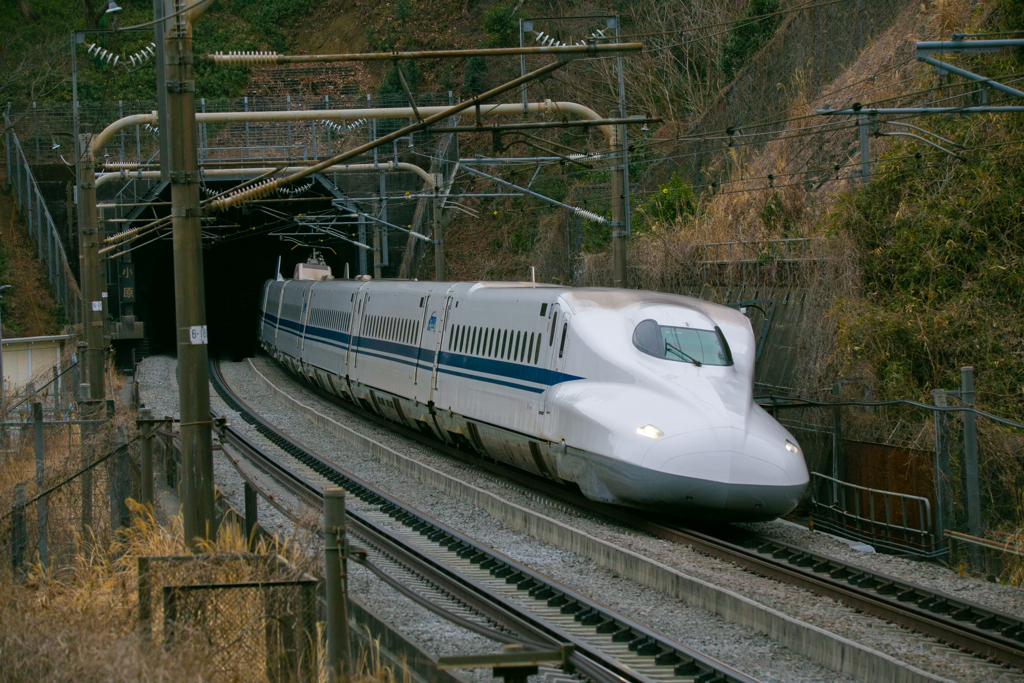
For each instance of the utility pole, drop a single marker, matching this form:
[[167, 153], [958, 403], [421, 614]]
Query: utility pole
[[189, 286], [438, 237], [94, 282], [619, 229]]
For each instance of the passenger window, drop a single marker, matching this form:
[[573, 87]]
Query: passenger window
[[543, 310], [554, 324], [480, 341], [490, 343], [504, 340], [561, 347], [462, 339], [451, 334], [515, 354], [536, 352]]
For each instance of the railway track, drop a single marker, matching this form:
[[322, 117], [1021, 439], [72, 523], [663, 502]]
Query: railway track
[[974, 628], [492, 594]]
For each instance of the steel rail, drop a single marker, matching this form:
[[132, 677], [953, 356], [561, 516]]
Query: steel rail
[[587, 658], [968, 626]]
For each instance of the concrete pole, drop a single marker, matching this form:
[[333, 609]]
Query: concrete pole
[[376, 240], [145, 429], [865, 149], [336, 580], [620, 231], [438, 239], [94, 283], [974, 526], [85, 411], [189, 285]]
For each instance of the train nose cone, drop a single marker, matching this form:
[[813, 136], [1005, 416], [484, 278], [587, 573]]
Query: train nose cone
[[745, 474]]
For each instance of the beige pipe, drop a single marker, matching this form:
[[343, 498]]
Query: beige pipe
[[547, 107], [388, 166]]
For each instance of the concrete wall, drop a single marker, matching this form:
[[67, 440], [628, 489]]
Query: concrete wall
[[28, 357]]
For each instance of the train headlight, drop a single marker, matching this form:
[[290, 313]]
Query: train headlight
[[792, 447], [650, 431]]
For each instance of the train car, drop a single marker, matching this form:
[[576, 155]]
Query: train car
[[642, 399]]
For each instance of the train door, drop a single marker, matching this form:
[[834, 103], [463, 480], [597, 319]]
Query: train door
[[428, 325], [280, 303], [263, 307], [439, 331], [307, 307], [357, 329], [557, 339]]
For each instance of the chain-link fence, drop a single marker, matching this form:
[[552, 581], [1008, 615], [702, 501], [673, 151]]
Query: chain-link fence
[[252, 616], [64, 488], [41, 227]]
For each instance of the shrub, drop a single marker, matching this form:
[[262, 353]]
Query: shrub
[[501, 25], [748, 36]]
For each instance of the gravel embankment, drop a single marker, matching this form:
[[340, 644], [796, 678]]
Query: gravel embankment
[[905, 645], [739, 647]]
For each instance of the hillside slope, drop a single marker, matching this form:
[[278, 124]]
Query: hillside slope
[[28, 307]]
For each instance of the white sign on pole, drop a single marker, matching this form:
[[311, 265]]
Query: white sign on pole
[[97, 305], [197, 334]]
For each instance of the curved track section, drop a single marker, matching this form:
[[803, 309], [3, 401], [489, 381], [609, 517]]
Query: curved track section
[[535, 610], [968, 626]]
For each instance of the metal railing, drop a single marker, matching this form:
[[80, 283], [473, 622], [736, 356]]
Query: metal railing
[[41, 226], [896, 522]]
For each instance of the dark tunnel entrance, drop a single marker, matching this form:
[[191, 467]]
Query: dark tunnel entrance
[[235, 267]]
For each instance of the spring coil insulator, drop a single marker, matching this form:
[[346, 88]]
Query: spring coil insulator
[[589, 215], [257, 191], [245, 58]]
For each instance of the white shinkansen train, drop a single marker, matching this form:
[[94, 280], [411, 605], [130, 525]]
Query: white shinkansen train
[[642, 399]]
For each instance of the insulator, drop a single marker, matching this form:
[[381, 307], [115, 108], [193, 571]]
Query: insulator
[[589, 215], [116, 58], [89, 51], [246, 58], [248, 194]]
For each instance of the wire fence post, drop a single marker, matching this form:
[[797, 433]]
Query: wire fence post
[[19, 535], [145, 429], [837, 438], [338, 657], [974, 527], [37, 428], [943, 496], [251, 512]]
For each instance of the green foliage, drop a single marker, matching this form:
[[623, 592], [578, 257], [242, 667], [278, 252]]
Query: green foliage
[[43, 45], [747, 36], [941, 249], [474, 72], [501, 24], [392, 85], [672, 201]]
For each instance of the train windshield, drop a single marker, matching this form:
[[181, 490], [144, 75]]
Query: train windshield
[[682, 344]]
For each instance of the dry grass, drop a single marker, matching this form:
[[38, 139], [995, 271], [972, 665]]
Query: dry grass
[[30, 308], [81, 623]]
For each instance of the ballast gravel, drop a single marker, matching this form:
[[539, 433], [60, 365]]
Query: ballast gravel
[[739, 647], [915, 649]]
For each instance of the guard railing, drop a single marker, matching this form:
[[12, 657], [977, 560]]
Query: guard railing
[[41, 226]]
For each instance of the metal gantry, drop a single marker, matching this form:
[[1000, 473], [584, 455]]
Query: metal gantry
[[867, 117]]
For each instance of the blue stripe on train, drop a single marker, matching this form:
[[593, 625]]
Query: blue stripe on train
[[456, 364]]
